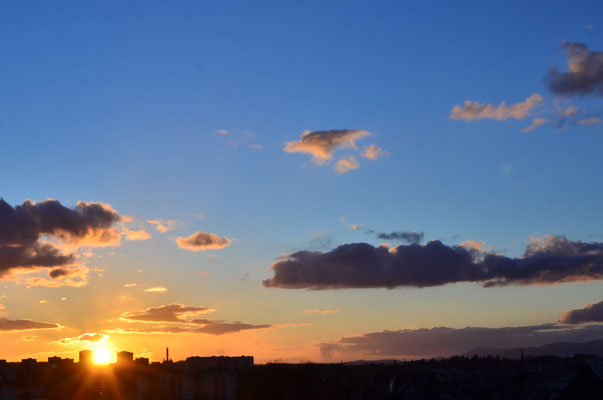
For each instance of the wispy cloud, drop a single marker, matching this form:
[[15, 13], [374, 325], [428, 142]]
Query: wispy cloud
[[589, 121], [164, 225], [536, 122], [156, 289], [474, 110], [346, 164], [323, 311], [373, 152]]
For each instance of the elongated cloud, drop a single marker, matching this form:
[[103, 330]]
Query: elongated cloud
[[442, 341], [547, 261], [156, 289], [589, 121], [179, 317], [403, 236], [321, 144], [587, 314], [168, 313], [23, 229], [85, 338], [474, 110], [203, 241], [213, 327], [584, 75], [10, 325], [323, 311]]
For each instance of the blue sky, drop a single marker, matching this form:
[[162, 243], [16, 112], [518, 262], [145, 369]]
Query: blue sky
[[121, 102]]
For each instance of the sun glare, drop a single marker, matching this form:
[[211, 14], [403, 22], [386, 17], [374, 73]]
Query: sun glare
[[102, 356]]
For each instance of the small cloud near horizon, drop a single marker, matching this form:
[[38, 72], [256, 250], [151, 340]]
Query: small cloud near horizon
[[201, 241]]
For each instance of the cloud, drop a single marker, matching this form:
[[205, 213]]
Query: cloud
[[402, 236], [570, 111], [208, 327], [168, 313], [443, 342], [164, 225], [346, 164], [85, 338], [222, 131], [180, 314], [410, 237], [585, 72], [256, 146], [75, 276], [203, 241], [473, 245], [156, 289], [474, 110], [323, 311], [536, 122], [322, 144], [587, 314], [13, 325], [139, 234], [23, 229], [373, 152], [547, 261], [589, 121], [213, 327]]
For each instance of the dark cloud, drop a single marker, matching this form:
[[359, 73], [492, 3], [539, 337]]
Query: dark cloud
[[587, 314], [58, 272], [23, 227], [585, 72], [442, 342], [203, 241], [546, 261], [24, 325], [168, 313], [213, 327], [402, 236]]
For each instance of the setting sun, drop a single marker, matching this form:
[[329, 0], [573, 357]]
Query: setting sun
[[102, 356]]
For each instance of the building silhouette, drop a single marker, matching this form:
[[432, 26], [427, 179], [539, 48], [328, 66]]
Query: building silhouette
[[86, 357], [125, 357]]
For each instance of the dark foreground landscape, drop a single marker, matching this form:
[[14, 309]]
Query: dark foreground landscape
[[225, 378]]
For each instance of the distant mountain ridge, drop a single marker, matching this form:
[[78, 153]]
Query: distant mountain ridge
[[559, 349]]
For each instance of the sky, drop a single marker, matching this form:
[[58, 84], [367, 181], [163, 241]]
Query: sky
[[299, 181]]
